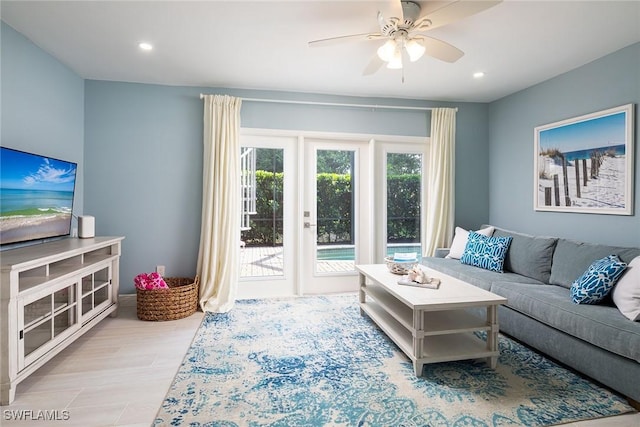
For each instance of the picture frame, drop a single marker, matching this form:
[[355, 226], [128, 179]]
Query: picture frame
[[585, 164]]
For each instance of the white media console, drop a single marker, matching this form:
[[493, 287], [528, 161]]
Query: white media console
[[51, 294]]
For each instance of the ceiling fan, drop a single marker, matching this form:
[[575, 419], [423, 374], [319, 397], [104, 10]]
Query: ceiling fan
[[403, 32]]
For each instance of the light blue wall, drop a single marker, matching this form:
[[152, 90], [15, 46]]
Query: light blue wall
[[472, 162], [143, 154], [144, 174], [610, 81], [42, 104], [139, 147]]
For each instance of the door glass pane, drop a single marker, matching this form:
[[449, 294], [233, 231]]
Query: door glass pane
[[335, 242], [37, 310], [64, 308], [87, 303], [404, 176], [87, 284], [101, 277], [262, 231], [36, 337], [63, 320], [64, 297], [101, 295]]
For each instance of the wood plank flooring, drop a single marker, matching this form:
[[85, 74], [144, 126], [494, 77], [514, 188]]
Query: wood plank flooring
[[118, 373]]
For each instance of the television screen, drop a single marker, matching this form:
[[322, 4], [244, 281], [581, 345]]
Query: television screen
[[36, 196]]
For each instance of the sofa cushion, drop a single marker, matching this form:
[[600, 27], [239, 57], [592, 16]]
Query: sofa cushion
[[528, 255], [486, 252], [572, 258], [474, 275], [626, 293], [600, 325], [460, 239], [596, 283]]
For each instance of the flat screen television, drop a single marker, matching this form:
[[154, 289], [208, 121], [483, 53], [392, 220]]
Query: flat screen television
[[36, 196]]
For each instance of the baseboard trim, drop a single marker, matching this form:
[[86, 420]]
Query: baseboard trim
[[127, 300]]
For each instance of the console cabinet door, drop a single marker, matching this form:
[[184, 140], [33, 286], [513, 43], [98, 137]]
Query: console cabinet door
[[44, 320], [96, 292]]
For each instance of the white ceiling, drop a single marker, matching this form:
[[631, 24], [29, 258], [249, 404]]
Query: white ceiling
[[263, 44]]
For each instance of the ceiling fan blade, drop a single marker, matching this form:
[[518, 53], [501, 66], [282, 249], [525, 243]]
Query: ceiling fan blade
[[373, 66], [339, 39], [441, 50], [381, 21], [452, 12]]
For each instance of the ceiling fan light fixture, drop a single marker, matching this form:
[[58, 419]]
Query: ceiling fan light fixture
[[415, 49], [402, 32], [396, 62], [387, 50]]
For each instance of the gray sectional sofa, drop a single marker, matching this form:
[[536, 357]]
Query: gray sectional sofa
[[596, 340]]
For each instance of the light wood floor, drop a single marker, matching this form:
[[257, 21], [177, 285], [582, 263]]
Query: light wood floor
[[118, 373]]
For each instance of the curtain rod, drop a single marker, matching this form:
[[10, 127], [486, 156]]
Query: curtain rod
[[335, 104]]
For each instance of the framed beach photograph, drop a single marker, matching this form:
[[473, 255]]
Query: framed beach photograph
[[585, 164]]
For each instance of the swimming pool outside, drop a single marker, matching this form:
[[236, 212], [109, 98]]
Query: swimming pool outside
[[265, 261], [347, 252]]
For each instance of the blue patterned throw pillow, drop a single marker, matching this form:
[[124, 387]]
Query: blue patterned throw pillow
[[486, 252], [598, 280]]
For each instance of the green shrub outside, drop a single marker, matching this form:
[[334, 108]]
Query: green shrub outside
[[403, 208], [267, 224], [334, 209]]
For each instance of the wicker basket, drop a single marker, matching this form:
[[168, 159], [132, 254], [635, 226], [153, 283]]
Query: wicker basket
[[399, 267], [180, 300]]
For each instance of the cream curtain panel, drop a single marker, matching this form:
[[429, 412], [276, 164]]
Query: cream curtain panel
[[439, 208], [218, 258]]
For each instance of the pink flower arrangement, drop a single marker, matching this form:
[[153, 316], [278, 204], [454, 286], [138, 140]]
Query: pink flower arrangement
[[147, 281]]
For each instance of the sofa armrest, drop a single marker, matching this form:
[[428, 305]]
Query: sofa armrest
[[441, 252]]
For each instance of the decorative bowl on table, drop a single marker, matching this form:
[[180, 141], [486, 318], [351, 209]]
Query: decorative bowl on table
[[400, 267]]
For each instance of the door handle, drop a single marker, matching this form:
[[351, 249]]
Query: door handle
[[308, 224]]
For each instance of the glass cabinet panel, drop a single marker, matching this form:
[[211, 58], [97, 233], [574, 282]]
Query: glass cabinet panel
[[64, 298], [37, 337], [101, 277], [37, 311], [101, 295], [87, 284], [48, 317], [63, 320], [95, 289], [87, 304]]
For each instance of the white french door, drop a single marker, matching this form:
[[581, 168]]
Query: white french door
[[336, 218], [268, 250], [399, 197], [324, 203]]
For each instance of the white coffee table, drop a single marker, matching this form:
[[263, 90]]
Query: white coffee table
[[431, 325]]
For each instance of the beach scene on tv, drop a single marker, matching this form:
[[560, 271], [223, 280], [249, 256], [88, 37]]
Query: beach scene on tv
[[584, 164], [36, 196]]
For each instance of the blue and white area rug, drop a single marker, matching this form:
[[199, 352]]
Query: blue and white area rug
[[314, 361]]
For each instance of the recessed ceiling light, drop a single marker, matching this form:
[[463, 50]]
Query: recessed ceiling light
[[145, 46], [478, 75]]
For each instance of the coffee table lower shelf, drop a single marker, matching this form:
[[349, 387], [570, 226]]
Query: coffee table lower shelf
[[431, 326], [435, 348]]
